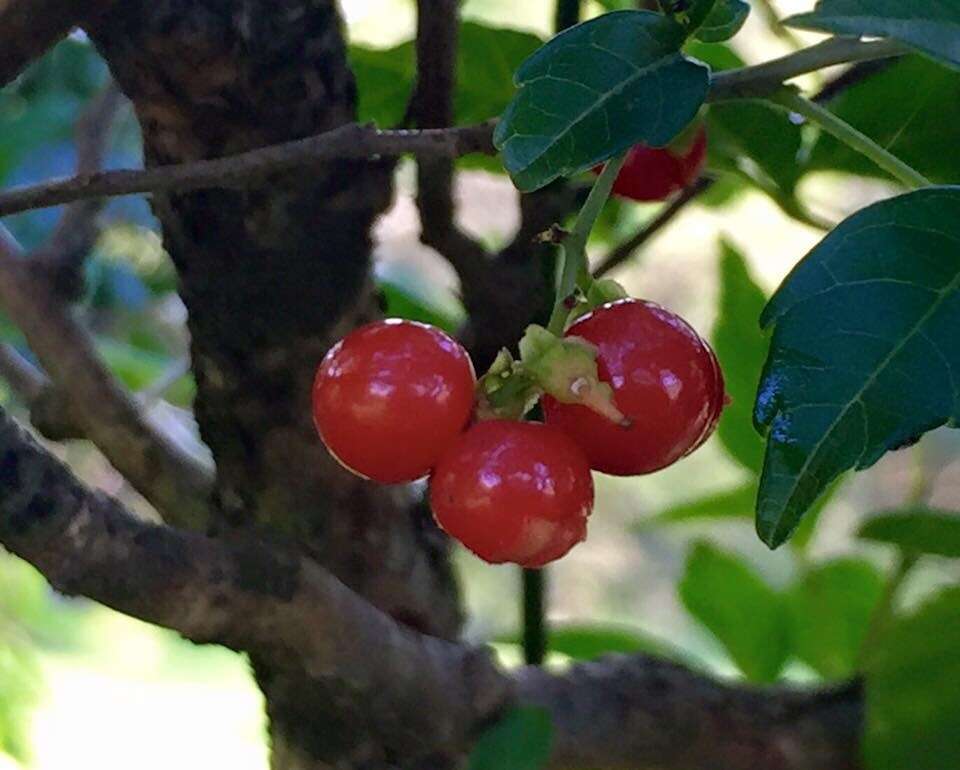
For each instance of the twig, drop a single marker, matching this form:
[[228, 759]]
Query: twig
[[30, 27], [765, 79], [63, 253], [850, 136], [348, 141], [625, 250], [356, 141], [438, 24], [853, 76], [174, 481]]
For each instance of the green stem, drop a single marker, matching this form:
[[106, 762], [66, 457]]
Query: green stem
[[534, 616], [573, 251], [850, 136], [884, 611]]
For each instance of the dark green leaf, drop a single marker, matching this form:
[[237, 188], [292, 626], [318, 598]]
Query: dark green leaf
[[741, 348], [521, 740], [594, 91], [740, 609], [913, 691], [724, 21], [761, 136], [846, 382], [588, 642], [919, 530], [931, 26], [926, 98], [831, 610]]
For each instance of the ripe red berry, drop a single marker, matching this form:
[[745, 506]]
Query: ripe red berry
[[665, 379], [655, 173], [391, 397], [513, 492]]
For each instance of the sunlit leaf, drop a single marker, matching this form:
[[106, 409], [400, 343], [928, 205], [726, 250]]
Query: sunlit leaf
[[745, 614]]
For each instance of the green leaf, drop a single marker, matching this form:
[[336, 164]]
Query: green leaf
[[931, 26], [865, 357], [488, 57], [728, 504], [831, 608], [745, 614], [594, 91], [741, 348], [724, 21], [919, 530], [385, 78], [521, 740], [486, 60], [913, 691], [927, 98], [408, 292], [588, 642]]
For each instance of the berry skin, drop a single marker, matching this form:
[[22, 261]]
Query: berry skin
[[512, 491], [665, 379], [391, 397], [655, 173]]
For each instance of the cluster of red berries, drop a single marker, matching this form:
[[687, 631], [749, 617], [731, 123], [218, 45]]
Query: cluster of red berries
[[394, 401]]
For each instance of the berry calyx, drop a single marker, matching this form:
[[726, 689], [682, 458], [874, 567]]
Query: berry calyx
[[665, 379], [512, 491], [391, 397], [655, 173]]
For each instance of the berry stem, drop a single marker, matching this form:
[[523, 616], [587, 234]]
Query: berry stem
[[534, 616], [572, 257], [850, 136]]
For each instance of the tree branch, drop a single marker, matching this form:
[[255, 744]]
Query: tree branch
[[61, 256], [764, 79], [271, 602], [639, 713], [420, 695], [173, 480], [351, 141], [438, 29], [355, 141], [30, 27], [625, 250]]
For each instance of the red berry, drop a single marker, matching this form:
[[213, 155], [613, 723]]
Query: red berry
[[391, 397], [655, 173], [513, 492], [665, 379]]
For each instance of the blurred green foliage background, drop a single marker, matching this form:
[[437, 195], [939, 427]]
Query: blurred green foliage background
[[670, 557]]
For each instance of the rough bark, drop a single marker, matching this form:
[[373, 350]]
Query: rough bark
[[321, 649], [271, 274]]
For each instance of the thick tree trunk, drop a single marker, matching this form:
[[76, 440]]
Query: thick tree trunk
[[270, 276]]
